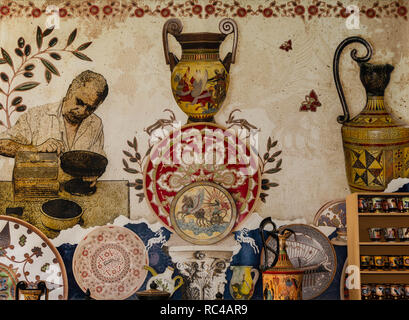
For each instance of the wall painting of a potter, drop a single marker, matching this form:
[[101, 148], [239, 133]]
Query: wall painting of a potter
[[59, 151]]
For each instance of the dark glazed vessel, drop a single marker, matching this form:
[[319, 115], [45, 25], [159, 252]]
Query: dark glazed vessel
[[376, 144]]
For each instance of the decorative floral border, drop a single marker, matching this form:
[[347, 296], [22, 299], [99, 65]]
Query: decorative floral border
[[305, 10]]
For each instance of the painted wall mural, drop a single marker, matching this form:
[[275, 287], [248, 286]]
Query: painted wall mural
[[111, 173]]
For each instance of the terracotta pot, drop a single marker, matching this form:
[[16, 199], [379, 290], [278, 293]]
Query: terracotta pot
[[199, 80], [376, 144]]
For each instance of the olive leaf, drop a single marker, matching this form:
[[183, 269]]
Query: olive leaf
[[71, 38], [84, 46], [16, 101], [47, 75], [19, 52], [27, 50], [128, 154], [55, 56], [81, 56], [4, 77], [50, 66], [21, 42], [39, 37], [53, 42], [26, 86], [48, 31], [7, 57], [125, 163]]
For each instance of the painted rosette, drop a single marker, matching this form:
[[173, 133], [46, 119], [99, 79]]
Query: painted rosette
[[26, 254], [201, 152], [109, 262]]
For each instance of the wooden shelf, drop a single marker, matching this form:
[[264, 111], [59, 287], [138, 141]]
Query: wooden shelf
[[385, 272], [382, 243], [359, 243], [384, 214]]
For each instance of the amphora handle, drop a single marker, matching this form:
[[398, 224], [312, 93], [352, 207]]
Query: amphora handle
[[227, 26], [174, 27], [346, 116]]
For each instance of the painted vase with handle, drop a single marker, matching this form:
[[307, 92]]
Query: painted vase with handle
[[164, 281], [376, 143], [199, 80], [281, 281], [243, 282]]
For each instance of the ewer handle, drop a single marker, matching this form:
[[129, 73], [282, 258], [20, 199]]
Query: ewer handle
[[346, 116]]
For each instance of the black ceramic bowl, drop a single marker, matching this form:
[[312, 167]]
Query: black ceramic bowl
[[81, 163], [60, 214]]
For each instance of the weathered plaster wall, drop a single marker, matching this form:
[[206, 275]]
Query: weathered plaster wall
[[267, 83]]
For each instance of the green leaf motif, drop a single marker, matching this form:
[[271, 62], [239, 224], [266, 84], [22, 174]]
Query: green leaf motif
[[45, 267], [81, 56], [84, 46], [48, 76], [48, 31], [7, 57], [50, 66], [71, 38], [39, 37], [26, 86], [2, 61], [22, 240]]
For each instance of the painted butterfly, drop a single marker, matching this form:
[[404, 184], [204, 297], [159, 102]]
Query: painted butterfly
[[311, 102], [287, 46]]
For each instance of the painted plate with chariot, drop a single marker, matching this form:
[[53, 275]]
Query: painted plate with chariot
[[202, 152], [203, 213]]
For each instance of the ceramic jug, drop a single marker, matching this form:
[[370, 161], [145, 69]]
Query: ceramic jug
[[376, 144], [164, 281], [281, 281], [243, 281], [199, 80]]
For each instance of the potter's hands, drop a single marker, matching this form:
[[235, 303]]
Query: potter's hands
[[51, 145], [91, 180]]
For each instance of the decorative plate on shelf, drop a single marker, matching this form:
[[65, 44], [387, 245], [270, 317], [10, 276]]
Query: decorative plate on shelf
[[201, 152], [333, 214], [109, 262], [203, 213], [309, 249], [27, 255]]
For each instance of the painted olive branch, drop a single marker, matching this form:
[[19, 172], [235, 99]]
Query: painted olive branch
[[27, 66], [268, 158], [135, 157]]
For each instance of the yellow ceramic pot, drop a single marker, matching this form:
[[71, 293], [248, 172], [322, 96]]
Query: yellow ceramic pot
[[200, 80]]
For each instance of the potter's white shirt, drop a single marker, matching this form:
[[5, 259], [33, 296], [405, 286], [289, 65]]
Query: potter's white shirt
[[41, 123]]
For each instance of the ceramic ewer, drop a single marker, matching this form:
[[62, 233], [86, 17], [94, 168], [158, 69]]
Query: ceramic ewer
[[375, 142], [281, 281], [199, 80], [243, 282], [164, 281]]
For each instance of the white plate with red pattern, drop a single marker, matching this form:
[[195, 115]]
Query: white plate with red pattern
[[109, 262]]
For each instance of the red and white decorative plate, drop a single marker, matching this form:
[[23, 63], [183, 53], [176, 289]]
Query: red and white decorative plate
[[201, 152], [109, 262], [27, 255]]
